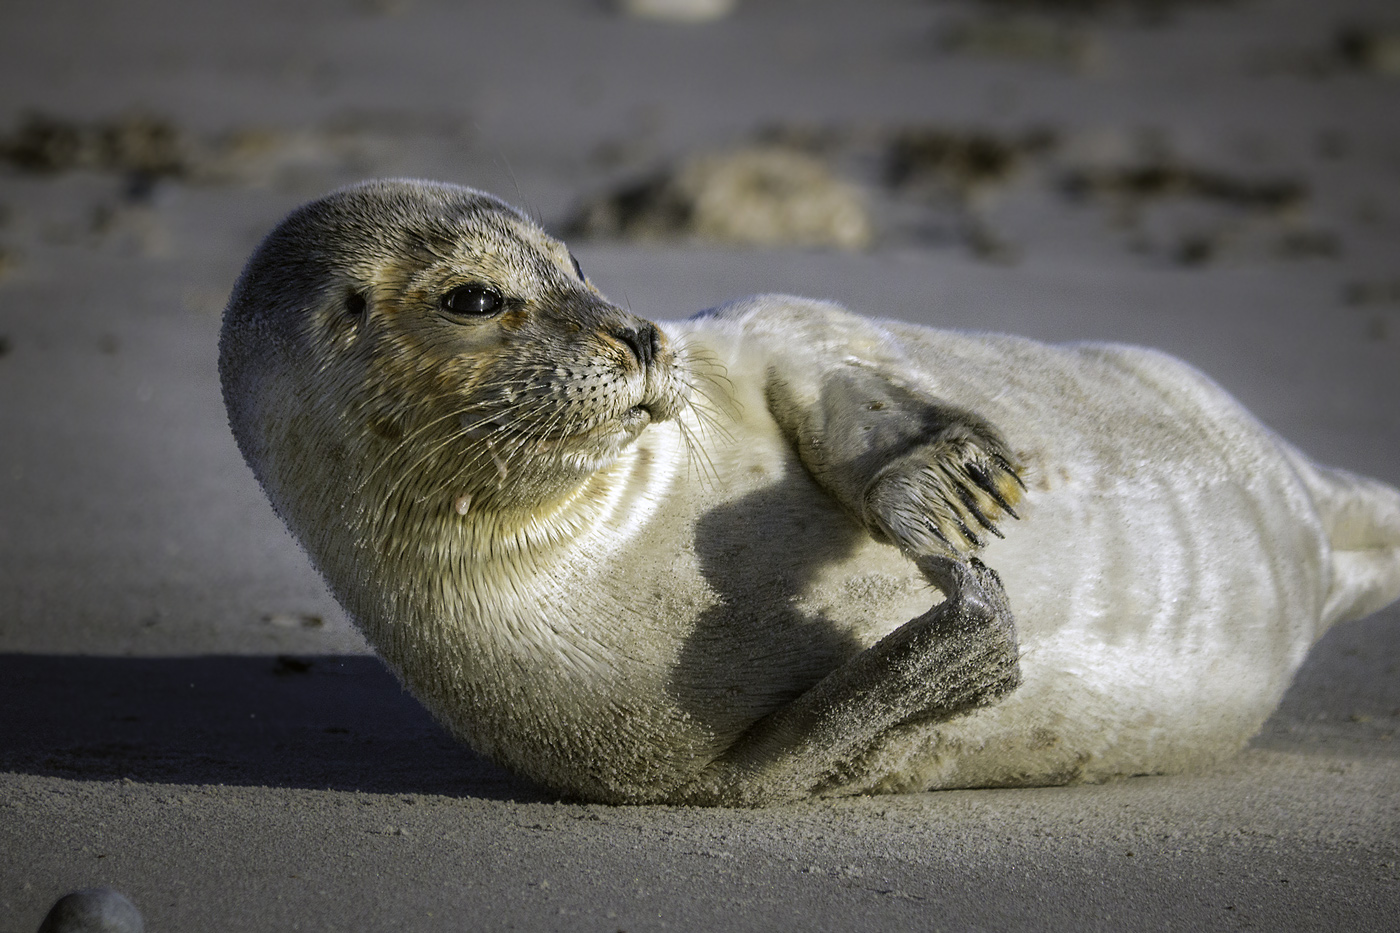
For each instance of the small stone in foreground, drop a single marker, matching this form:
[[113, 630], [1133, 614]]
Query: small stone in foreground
[[93, 910]]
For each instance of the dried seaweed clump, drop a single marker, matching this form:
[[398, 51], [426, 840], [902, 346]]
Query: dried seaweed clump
[[1151, 9], [757, 196], [1373, 292], [1156, 181], [134, 145], [937, 159], [1213, 213], [1370, 49]]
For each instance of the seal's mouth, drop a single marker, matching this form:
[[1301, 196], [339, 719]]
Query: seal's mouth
[[608, 433], [638, 416], [635, 420]]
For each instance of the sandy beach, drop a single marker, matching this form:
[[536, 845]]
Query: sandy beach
[[187, 717]]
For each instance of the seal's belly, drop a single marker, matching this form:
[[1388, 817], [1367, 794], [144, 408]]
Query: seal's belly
[[1158, 621], [755, 586], [1166, 578]]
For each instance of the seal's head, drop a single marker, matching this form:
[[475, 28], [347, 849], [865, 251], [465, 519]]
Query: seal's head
[[410, 351]]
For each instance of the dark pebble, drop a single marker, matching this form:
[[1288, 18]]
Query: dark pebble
[[93, 910]]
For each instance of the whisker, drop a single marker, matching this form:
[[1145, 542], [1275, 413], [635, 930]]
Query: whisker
[[510, 441], [698, 457], [405, 475]]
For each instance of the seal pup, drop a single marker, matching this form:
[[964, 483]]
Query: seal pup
[[776, 550]]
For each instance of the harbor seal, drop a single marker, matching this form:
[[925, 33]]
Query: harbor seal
[[776, 550]]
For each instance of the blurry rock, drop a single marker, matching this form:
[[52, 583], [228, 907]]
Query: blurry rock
[[771, 197], [93, 910], [761, 196], [684, 11]]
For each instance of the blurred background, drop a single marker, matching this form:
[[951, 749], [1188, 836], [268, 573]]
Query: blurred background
[[1180, 132], [1218, 178]]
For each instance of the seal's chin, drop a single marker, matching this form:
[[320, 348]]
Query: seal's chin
[[611, 438], [600, 445]]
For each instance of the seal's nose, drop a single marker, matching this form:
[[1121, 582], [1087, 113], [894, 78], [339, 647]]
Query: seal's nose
[[643, 339]]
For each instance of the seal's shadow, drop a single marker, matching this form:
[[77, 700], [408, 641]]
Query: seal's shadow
[[760, 553], [340, 722]]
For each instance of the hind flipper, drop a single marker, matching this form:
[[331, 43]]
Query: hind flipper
[[1361, 517]]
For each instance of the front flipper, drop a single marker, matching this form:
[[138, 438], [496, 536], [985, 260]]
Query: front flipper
[[928, 476], [958, 656]]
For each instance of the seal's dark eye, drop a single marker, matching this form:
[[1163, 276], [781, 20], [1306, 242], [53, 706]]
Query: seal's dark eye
[[578, 268], [473, 301], [355, 305]]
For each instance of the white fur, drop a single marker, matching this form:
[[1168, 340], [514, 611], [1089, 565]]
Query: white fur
[[1174, 562]]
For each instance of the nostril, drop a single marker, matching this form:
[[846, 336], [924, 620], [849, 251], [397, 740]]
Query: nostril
[[643, 339]]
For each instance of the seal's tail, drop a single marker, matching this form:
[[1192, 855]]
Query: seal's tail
[[1362, 519]]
